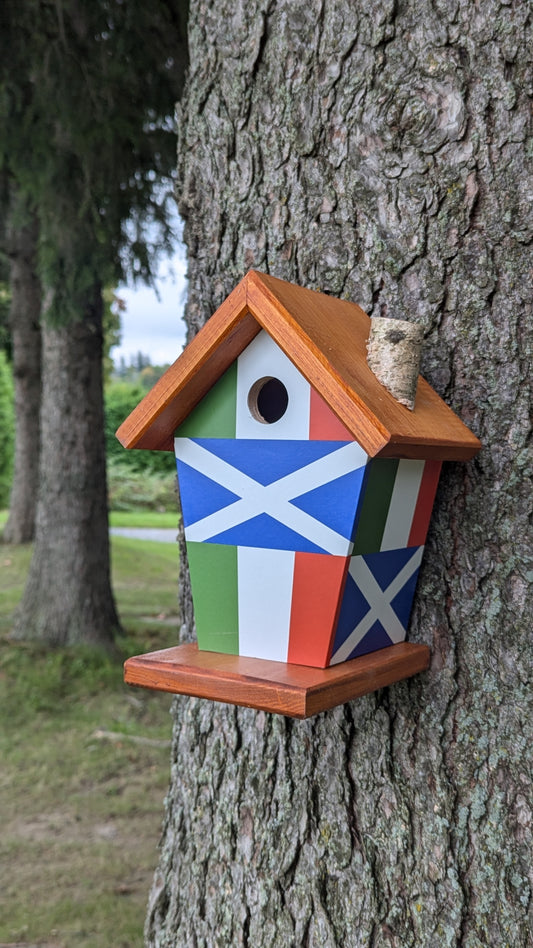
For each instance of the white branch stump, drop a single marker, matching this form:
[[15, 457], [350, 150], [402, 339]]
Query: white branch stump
[[393, 353]]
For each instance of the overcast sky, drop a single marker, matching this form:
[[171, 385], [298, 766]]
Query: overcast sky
[[151, 326]]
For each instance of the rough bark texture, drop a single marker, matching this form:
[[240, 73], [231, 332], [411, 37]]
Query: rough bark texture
[[24, 319], [68, 597], [377, 151]]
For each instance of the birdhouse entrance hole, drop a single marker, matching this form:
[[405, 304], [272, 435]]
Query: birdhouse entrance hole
[[268, 400]]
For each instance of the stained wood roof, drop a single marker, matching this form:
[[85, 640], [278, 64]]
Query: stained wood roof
[[326, 339]]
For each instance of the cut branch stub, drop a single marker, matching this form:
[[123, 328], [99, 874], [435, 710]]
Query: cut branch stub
[[393, 353]]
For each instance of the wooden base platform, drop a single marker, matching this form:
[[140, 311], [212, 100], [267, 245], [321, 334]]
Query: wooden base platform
[[294, 690]]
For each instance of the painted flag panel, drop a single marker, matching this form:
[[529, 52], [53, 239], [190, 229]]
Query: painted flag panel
[[299, 548], [402, 504], [323, 423], [265, 592], [375, 505], [396, 505], [424, 504], [278, 486], [316, 597], [214, 415], [263, 358], [213, 572], [377, 602]]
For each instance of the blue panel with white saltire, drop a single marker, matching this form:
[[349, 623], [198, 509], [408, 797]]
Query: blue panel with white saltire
[[265, 532], [374, 639], [386, 565], [268, 461], [200, 495], [265, 494], [337, 502], [377, 602]]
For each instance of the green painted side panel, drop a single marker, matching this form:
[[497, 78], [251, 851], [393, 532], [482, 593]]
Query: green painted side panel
[[213, 569], [376, 502], [214, 416]]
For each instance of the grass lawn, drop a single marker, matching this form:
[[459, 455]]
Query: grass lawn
[[143, 518], [127, 518], [85, 766]]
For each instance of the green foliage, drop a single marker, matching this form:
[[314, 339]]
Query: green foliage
[[120, 399], [7, 430], [113, 307], [141, 490], [136, 480]]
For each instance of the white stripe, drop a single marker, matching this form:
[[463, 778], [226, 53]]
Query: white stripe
[[263, 358], [272, 499], [402, 505], [379, 601], [265, 595]]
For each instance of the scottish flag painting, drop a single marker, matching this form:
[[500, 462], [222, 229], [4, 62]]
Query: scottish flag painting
[[282, 495]]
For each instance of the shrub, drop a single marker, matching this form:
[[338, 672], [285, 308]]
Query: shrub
[[136, 490], [120, 399]]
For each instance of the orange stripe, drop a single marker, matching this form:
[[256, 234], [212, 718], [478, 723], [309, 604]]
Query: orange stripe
[[323, 423], [424, 503], [317, 591]]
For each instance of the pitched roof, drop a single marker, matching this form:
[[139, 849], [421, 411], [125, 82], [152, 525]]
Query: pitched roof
[[326, 339]]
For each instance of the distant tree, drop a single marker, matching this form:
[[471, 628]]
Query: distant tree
[[86, 102], [5, 302], [23, 323], [6, 429], [113, 309]]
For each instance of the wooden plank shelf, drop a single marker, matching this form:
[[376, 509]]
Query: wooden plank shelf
[[297, 691]]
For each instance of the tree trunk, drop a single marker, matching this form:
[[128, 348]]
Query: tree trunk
[[375, 151], [24, 319], [68, 597]]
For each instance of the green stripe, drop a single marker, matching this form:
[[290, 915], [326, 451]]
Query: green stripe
[[215, 415], [376, 503], [213, 569]]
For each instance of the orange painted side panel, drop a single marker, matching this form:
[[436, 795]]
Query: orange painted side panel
[[317, 591], [424, 503]]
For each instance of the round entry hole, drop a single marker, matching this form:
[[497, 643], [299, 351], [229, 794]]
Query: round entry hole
[[267, 400]]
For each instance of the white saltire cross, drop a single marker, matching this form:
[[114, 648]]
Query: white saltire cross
[[379, 601], [272, 499]]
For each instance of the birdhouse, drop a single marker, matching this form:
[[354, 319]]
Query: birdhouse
[[306, 488]]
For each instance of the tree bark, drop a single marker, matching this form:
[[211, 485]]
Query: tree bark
[[24, 319], [375, 151], [68, 597]]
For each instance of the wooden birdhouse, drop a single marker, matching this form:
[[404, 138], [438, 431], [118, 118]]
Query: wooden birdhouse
[[306, 488]]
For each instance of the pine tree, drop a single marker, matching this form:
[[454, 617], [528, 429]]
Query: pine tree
[[6, 429], [86, 104]]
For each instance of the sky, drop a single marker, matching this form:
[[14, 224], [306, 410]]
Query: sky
[[151, 326]]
